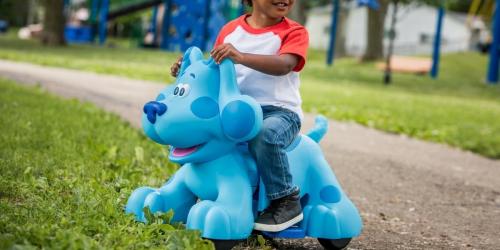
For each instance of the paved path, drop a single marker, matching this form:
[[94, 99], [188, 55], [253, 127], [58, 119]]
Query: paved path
[[411, 194]]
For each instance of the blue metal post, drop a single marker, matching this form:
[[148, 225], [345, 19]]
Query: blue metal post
[[66, 4], [437, 44], [333, 32], [153, 24], [66, 8], [94, 8], [166, 24], [242, 9], [103, 21], [492, 77], [206, 39]]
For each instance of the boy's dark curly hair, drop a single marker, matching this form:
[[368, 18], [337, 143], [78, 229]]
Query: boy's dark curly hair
[[247, 2]]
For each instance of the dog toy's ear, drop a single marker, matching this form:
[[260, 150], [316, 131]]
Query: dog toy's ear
[[191, 55], [241, 115]]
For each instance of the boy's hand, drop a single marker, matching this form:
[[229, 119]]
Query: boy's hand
[[174, 70], [226, 50]]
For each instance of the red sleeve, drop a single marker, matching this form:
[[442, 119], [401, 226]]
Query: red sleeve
[[296, 42], [226, 30], [220, 39]]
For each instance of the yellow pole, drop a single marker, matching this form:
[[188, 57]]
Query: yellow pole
[[474, 7]]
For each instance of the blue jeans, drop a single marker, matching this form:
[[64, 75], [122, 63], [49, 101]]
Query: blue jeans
[[279, 129]]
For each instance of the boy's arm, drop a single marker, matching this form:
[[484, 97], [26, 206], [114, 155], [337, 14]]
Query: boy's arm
[[268, 64]]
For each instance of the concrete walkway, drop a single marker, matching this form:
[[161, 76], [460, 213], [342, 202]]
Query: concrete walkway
[[412, 194]]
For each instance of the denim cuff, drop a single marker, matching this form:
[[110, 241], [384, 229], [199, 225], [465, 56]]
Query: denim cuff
[[282, 193]]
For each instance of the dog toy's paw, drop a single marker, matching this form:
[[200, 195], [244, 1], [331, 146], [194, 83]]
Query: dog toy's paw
[[144, 197], [211, 218], [322, 222]]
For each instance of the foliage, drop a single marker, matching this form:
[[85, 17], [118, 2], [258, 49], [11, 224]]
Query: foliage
[[14, 11], [453, 5], [67, 170], [458, 5]]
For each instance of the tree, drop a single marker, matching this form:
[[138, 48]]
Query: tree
[[15, 12], [53, 23], [375, 32], [298, 12], [341, 37], [376, 20]]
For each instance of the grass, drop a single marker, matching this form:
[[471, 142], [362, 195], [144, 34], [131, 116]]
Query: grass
[[457, 109], [67, 170], [115, 59]]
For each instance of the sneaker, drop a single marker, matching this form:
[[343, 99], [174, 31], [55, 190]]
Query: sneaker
[[281, 214]]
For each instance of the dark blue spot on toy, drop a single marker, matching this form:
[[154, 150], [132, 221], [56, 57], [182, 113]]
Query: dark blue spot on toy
[[330, 194], [160, 97], [204, 107], [304, 200], [192, 75], [152, 109], [238, 119]]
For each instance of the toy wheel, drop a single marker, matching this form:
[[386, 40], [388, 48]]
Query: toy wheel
[[225, 244], [336, 244]]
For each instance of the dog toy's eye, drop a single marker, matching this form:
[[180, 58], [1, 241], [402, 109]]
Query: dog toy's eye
[[177, 89], [184, 91]]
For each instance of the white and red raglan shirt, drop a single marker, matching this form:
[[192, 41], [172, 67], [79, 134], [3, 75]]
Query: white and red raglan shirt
[[286, 37]]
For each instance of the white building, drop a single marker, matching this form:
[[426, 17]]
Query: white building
[[415, 29]]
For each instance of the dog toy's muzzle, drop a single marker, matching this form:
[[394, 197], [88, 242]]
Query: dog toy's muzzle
[[153, 109]]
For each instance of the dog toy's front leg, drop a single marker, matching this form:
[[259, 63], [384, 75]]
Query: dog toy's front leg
[[229, 216], [173, 195]]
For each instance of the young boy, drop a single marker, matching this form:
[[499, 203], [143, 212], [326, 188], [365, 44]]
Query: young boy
[[269, 50]]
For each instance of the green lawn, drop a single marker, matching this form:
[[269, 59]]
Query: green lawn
[[457, 109], [67, 169]]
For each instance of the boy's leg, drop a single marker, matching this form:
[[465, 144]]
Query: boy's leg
[[279, 129]]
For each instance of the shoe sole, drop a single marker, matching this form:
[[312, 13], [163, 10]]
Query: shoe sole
[[278, 227]]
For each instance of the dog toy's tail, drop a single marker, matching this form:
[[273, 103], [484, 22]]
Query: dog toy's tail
[[319, 129]]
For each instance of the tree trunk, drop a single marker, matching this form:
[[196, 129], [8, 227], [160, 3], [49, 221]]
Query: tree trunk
[[340, 49], [53, 23], [298, 12], [375, 32], [32, 9]]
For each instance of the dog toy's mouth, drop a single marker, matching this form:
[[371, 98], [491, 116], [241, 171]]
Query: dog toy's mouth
[[181, 152]]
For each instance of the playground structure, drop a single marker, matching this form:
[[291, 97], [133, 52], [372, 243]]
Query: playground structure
[[407, 63], [488, 10], [492, 75], [485, 9], [196, 23], [184, 23]]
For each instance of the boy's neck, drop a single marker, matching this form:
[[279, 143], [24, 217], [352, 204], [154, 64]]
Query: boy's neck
[[259, 20]]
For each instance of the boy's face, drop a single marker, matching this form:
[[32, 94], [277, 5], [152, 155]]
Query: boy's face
[[273, 8]]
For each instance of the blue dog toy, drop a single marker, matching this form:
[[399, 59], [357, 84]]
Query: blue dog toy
[[207, 122]]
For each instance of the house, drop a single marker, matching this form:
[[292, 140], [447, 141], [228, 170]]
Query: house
[[415, 28]]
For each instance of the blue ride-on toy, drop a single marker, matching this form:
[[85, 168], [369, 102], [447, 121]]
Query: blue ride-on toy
[[217, 190]]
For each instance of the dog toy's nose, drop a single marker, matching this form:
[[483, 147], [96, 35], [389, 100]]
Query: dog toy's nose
[[152, 109]]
